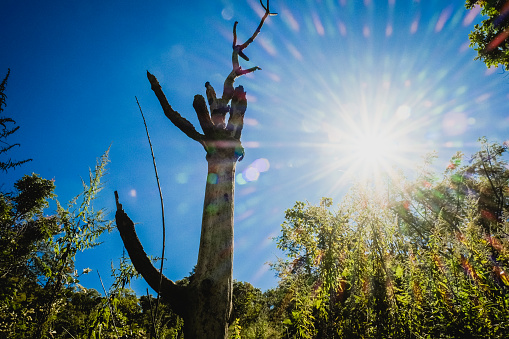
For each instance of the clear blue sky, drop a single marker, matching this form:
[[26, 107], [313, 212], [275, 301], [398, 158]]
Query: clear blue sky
[[333, 70]]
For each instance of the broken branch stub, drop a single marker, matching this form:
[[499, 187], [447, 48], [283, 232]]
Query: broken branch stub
[[202, 113], [237, 111]]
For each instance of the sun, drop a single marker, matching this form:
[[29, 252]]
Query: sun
[[376, 143], [373, 153], [373, 131]]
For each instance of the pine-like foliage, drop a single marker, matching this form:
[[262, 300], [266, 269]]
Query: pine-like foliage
[[6, 130]]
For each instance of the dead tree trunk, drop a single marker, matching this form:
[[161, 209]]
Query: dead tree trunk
[[205, 304], [211, 287]]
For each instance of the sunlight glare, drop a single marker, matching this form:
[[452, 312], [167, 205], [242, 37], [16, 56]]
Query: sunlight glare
[[376, 139], [371, 150], [373, 153]]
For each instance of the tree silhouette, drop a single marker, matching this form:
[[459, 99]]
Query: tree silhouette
[[205, 303], [5, 130]]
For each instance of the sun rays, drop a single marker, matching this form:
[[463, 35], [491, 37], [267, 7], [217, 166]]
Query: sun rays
[[375, 140], [349, 99], [362, 107]]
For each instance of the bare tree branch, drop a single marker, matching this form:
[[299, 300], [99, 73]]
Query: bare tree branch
[[182, 123], [258, 29], [170, 291], [238, 50], [200, 106], [237, 111]]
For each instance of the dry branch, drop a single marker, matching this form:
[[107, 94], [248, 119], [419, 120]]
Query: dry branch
[[182, 123], [170, 291], [237, 111], [200, 106]]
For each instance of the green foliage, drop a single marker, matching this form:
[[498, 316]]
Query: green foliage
[[86, 314], [167, 323], [247, 303], [23, 231], [235, 329], [23, 226], [251, 313], [123, 274], [6, 131], [427, 259], [489, 38], [37, 272], [484, 177]]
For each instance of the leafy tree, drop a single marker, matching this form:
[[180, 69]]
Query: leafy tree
[[489, 38], [87, 314], [485, 177], [23, 233], [251, 313], [82, 315], [6, 130], [205, 303], [37, 270]]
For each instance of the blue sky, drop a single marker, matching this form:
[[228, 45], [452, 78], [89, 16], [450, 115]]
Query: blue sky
[[335, 73]]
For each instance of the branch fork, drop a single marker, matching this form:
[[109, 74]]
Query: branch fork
[[217, 133]]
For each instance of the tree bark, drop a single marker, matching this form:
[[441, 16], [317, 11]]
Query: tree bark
[[205, 304], [210, 291]]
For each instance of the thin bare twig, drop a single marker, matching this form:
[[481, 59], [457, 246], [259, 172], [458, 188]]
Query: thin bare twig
[[65, 329], [162, 209], [152, 316], [109, 305], [258, 29]]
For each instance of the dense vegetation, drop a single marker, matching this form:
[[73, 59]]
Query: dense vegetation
[[37, 275], [427, 258]]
